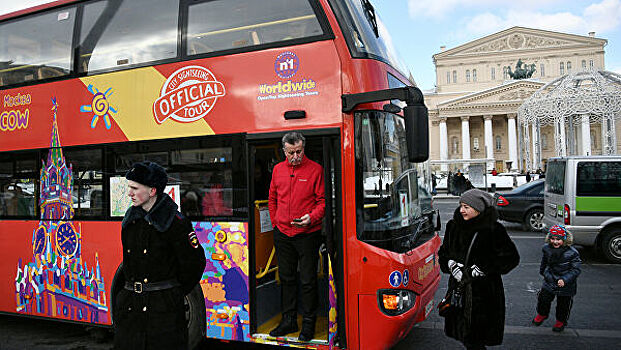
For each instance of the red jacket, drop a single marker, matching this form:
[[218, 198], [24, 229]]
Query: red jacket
[[294, 192]]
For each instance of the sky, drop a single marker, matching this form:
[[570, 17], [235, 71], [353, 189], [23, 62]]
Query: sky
[[417, 28]]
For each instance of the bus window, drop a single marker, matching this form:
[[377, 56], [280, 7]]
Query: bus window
[[222, 25], [206, 174], [116, 34], [388, 183], [36, 48], [205, 183], [18, 185], [87, 194]]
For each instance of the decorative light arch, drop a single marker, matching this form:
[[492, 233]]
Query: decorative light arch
[[572, 103]]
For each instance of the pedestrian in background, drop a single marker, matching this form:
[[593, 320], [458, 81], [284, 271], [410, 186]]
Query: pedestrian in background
[[297, 204], [162, 262], [560, 267], [475, 222]]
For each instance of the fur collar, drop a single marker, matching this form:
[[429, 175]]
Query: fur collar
[[482, 222], [161, 215]]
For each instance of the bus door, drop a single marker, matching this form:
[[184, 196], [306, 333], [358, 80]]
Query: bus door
[[264, 153]]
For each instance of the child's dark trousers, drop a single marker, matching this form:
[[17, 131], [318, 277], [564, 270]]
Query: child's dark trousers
[[563, 305]]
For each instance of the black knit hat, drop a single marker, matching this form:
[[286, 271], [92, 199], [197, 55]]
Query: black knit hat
[[477, 199], [149, 174]]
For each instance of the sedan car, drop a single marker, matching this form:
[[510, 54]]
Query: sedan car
[[523, 205]]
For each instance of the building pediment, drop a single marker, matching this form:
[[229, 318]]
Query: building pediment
[[508, 94], [519, 39]]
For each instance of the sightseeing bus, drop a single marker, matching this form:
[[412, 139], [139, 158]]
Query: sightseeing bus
[[207, 89]]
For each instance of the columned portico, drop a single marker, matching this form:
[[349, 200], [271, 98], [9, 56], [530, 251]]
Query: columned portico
[[465, 137], [512, 135], [489, 140], [443, 142]]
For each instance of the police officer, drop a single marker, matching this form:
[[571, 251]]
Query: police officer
[[162, 262]]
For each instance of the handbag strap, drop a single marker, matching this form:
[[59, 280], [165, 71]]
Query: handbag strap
[[470, 248]]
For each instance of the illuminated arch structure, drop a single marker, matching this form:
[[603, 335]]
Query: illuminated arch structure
[[572, 104], [57, 283]]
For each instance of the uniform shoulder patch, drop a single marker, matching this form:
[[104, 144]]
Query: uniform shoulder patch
[[193, 239]]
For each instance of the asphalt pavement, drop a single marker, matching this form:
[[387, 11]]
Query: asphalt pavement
[[594, 322]]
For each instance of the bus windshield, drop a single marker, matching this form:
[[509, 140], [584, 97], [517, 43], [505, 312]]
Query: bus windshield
[[389, 184], [359, 22]]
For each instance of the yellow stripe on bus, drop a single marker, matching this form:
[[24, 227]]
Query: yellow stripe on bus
[[133, 94]]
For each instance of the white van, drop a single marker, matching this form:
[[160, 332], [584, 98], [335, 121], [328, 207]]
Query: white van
[[584, 194]]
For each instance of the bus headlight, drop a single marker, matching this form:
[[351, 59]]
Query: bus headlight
[[394, 302]]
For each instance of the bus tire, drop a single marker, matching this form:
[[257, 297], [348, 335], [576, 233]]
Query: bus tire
[[195, 317], [611, 244]]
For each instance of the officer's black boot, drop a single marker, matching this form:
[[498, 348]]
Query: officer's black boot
[[308, 329], [288, 324]]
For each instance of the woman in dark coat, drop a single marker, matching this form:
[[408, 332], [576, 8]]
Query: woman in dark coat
[[481, 321]]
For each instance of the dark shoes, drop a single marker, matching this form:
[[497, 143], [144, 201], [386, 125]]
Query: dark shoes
[[288, 324], [308, 330], [558, 326], [538, 320]]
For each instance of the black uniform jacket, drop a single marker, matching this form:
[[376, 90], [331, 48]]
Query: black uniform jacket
[[157, 246], [483, 318]]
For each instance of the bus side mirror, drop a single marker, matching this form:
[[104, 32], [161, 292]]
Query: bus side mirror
[[417, 132]]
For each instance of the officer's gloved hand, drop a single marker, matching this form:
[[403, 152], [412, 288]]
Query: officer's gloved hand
[[455, 268]]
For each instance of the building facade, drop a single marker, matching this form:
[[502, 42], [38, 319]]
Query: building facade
[[473, 109]]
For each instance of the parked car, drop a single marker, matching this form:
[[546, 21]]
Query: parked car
[[523, 205], [584, 194]]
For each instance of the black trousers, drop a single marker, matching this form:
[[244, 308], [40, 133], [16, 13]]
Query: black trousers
[[302, 249], [563, 305]]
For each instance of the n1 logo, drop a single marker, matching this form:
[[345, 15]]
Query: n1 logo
[[286, 64]]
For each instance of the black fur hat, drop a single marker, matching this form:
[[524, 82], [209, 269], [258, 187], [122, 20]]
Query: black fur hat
[[149, 174]]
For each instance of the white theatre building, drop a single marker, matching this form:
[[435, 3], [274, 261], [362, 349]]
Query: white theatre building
[[473, 109]]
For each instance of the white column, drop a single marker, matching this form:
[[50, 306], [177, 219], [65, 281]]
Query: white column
[[443, 143], [489, 141], [586, 135], [513, 157], [536, 153], [560, 143], [465, 138]]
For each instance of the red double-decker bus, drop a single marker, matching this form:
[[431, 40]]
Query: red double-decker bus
[[207, 88]]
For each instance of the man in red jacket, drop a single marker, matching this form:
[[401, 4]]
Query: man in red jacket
[[297, 204]]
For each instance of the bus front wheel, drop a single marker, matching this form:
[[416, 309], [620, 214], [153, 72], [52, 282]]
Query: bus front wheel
[[195, 316], [611, 245]]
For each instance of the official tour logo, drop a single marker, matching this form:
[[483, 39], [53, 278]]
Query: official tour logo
[[187, 95], [286, 64]]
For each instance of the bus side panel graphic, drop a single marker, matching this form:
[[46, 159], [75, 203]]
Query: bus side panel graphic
[[225, 279]]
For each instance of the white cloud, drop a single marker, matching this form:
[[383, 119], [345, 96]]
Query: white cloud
[[442, 8], [605, 16], [482, 17], [487, 23]]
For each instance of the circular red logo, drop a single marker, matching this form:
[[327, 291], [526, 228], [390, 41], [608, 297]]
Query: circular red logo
[[187, 95]]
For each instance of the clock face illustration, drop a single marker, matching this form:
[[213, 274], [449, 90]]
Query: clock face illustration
[[66, 240], [38, 244]]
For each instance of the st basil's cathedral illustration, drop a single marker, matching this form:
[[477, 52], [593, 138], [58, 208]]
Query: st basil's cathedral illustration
[[57, 282]]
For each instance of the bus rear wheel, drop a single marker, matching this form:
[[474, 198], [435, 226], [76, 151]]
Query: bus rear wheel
[[611, 245], [194, 304]]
